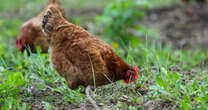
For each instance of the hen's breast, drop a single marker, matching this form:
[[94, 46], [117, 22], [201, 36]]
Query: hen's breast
[[85, 55]]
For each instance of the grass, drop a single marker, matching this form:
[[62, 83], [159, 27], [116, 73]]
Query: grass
[[177, 77], [168, 78]]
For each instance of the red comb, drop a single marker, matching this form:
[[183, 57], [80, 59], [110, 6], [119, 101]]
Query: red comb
[[18, 43], [135, 69]]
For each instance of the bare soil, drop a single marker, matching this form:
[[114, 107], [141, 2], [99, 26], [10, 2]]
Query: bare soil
[[182, 26]]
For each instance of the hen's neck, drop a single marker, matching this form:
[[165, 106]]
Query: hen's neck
[[67, 31]]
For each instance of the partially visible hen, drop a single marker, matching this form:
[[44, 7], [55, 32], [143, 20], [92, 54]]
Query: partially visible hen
[[81, 58], [31, 34]]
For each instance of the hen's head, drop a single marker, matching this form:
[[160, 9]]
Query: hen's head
[[27, 36], [19, 43], [131, 75]]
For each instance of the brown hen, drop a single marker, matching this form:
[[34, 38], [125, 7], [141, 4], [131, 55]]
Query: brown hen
[[81, 58], [31, 34]]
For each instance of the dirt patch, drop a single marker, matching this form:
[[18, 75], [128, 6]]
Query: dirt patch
[[39, 98], [183, 26], [159, 104]]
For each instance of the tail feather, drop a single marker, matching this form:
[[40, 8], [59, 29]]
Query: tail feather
[[54, 2], [51, 19], [57, 3]]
